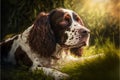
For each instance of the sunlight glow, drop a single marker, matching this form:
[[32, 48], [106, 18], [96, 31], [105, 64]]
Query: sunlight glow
[[71, 57], [100, 1], [99, 8]]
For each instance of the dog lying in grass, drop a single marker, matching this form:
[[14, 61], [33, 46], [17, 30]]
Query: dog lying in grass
[[50, 41]]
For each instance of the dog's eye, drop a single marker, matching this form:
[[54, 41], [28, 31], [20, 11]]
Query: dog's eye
[[77, 18], [64, 23], [67, 17]]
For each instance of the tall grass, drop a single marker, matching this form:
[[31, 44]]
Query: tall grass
[[97, 63]]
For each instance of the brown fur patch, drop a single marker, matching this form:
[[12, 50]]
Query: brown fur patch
[[22, 58], [59, 24], [76, 51], [41, 38]]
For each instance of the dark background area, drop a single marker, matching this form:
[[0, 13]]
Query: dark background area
[[17, 15]]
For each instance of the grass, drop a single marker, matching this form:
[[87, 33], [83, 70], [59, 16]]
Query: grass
[[103, 67], [90, 67], [22, 73]]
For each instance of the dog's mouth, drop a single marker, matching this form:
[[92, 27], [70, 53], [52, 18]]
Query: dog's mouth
[[79, 45], [78, 49]]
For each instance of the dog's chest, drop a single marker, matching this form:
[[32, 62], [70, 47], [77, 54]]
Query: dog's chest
[[58, 58], [53, 61]]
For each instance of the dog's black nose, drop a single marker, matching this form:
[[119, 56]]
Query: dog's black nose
[[84, 32]]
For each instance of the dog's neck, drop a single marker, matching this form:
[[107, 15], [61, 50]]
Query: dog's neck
[[60, 52]]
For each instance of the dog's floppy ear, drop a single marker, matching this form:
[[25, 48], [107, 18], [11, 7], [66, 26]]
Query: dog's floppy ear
[[41, 37]]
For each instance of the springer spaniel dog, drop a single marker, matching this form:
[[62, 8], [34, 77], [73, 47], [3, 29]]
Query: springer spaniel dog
[[48, 42]]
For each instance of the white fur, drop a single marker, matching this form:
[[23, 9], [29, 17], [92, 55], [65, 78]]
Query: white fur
[[53, 73], [11, 55], [76, 37]]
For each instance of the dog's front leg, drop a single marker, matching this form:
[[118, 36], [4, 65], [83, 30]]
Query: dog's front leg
[[57, 75]]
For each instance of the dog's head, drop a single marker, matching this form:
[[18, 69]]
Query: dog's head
[[68, 28], [63, 27]]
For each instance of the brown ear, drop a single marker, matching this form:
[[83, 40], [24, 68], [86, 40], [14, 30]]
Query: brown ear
[[41, 37]]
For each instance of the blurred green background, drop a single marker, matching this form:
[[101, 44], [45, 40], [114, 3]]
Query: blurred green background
[[102, 17]]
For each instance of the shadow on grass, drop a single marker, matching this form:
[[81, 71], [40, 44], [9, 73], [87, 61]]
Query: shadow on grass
[[22, 73]]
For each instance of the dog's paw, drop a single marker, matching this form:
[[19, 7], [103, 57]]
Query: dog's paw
[[57, 75], [60, 75]]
